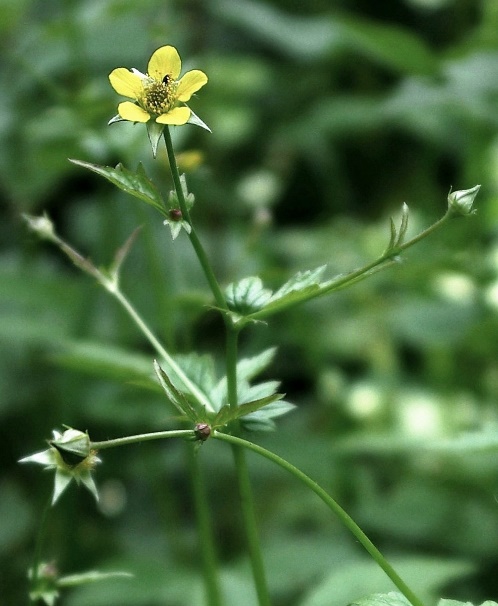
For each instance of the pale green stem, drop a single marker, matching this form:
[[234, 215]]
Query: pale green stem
[[205, 526], [248, 508], [38, 547], [250, 525], [247, 500], [194, 239], [192, 387], [143, 437], [354, 276], [333, 505]]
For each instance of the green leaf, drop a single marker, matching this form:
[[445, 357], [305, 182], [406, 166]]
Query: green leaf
[[357, 577], [392, 598], [227, 414], [106, 361], [247, 296], [176, 397], [134, 183], [262, 420], [302, 286], [248, 368], [378, 40]]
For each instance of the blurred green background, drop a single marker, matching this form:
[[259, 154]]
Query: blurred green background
[[326, 116]]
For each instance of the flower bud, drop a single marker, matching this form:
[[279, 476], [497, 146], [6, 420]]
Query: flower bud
[[460, 202], [175, 214], [42, 226], [73, 446], [202, 431]]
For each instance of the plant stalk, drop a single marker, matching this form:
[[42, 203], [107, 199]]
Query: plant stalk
[[205, 527], [194, 239], [247, 500], [333, 505]]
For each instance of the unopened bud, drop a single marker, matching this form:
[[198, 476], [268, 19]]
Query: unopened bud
[[175, 214], [73, 446], [460, 202], [42, 226], [202, 431]]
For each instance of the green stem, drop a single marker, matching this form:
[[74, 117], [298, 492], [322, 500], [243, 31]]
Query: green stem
[[250, 524], [333, 505], [194, 239], [231, 365], [247, 500], [206, 538], [38, 549], [244, 481], [352, 277], [143, 437], [194, 390]]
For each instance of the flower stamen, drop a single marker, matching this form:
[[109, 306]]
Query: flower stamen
[[159, 97]]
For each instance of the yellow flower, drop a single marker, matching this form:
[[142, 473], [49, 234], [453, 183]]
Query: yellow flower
[[158, 95]]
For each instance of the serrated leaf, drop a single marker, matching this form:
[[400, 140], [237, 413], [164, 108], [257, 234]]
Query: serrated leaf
[[301, 281], [176, 397], [199, 369], [136, 184], [248, 368], [393, 598], [272, 411], [247, 296], [262, 420], [227, 414]]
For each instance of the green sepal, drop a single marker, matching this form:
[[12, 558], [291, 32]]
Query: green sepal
[[155, 132], [196, 121], [136, 184]]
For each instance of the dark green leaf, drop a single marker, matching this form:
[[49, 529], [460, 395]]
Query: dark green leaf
[[176, 397], [134, 183]]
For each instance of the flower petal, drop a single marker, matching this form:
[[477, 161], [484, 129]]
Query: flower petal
[[126, 83], [129, 111], [175, 117], [164, 60], [190, 83]]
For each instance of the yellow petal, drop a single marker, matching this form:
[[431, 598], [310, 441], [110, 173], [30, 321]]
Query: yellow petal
[[190, 83], [175, 117], [126, 83], [164, 60], [129, 111]]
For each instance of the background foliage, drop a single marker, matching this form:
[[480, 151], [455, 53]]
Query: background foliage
[[326, 116]]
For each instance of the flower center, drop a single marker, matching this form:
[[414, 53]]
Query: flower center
[[159, 96]]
